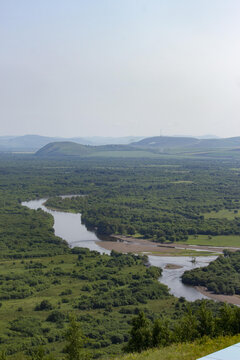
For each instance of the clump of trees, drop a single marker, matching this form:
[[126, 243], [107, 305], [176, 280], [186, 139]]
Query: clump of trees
[[146, 334], [221, 276]]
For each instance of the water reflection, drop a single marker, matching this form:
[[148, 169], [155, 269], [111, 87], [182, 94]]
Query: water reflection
[[172, 277], [68, 226]]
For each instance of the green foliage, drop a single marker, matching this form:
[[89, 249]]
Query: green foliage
[[161, 333], [192, 325], [104, 300], [75, 342], [221, 276], [206, 321], [141, 337], [164, 203], [44, 305], [162, 199], [3, 355], [56, 317]]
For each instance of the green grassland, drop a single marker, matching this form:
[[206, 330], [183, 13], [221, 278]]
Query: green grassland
[[227, 240], [104, 301], [223, 214], [185, 351]]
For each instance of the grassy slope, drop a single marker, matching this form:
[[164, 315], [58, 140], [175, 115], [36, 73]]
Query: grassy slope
[[188, 351]]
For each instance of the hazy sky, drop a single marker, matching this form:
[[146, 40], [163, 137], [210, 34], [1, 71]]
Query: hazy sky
[[119, 67]]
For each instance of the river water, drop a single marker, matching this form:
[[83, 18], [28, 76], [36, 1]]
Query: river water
[[68, 226]]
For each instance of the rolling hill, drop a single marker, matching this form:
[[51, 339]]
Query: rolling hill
[[168, 142], [150, 147], [65, 148], [32, 143]]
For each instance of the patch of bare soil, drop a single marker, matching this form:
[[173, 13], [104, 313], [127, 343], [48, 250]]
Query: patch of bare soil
[[173, 266], [230, 299]]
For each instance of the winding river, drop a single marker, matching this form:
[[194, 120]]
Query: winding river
[[68, 226]]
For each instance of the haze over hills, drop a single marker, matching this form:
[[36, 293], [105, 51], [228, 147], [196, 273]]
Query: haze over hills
[[168, 142], [32, 143], [149, 147], [68, 148]]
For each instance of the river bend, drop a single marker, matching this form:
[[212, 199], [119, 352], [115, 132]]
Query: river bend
[[68, 226]]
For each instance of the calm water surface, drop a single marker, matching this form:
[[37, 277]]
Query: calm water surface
[[68, 226]]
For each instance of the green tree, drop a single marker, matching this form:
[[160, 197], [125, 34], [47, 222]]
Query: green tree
[[206, 325], [226, 321], [75, 342], [161, 334], [186, 329], [140, 334]]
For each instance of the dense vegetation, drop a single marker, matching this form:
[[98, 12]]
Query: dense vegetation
[[194, 324], [37, 295], [42, 281], [161, 201], [221, 276]]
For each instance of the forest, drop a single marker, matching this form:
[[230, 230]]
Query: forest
[[163, 202], [43, 282], [221, 276]]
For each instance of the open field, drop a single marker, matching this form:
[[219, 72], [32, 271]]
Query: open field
[[220, 240], [223, 214]]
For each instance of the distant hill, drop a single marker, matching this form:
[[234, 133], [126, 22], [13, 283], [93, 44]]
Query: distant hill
[[150, 147], [32, 143], [168, 142], [68, 148], [65, 148], [165, 142]]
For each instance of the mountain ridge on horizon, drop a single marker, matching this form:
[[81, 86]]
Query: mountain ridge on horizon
[[33, 143], [153, 146]]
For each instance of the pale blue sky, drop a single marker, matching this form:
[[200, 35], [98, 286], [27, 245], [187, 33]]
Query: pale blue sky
[[119, 67]]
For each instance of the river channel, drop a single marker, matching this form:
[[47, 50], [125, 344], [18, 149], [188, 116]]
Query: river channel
[[68, 226]]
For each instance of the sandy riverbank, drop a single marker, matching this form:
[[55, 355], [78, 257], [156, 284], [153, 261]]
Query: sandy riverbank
[[127, 244], [139, 246], [230, 299], [173, 266]]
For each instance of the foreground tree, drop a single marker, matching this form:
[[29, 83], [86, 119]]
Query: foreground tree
[[161, 334], [74, 349], [206, 322], [141, 336]]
